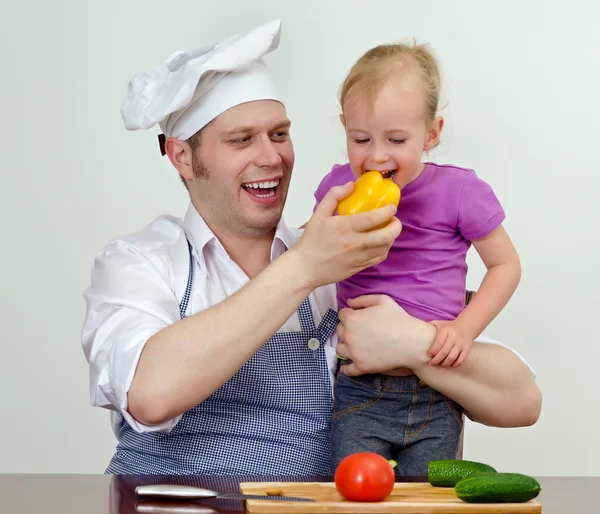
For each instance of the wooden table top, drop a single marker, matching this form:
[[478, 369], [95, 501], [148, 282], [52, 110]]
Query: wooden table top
[[105, 494]]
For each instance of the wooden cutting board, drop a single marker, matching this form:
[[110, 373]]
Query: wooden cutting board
[[421, 498]]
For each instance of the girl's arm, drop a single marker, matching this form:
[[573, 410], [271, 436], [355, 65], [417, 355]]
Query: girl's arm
[[454, 338], [499, 283]]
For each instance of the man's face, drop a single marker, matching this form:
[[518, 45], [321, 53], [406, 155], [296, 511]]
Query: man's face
[[244, 165]]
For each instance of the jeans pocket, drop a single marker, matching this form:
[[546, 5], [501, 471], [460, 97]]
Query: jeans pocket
[[432, 414], [455, 409], [352, 395], [420, 413]]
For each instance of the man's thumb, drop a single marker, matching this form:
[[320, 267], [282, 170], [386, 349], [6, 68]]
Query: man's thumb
[[368, 300], [330, 201]]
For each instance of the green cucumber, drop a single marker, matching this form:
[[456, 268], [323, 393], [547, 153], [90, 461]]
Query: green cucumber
[[447, 473], [497, 488]]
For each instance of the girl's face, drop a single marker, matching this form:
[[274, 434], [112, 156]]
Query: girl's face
[[391, 135]]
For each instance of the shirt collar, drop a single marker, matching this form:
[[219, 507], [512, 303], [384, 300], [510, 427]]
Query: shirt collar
[[200, 234], [285, 238], [196, 229]]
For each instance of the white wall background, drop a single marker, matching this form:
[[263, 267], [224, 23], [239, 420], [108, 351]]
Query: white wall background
[[521, 89]]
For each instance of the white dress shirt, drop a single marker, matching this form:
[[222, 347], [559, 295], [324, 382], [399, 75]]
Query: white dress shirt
[[137, 284]]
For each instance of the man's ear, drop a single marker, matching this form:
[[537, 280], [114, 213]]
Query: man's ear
[[434, 133], [180, 155]]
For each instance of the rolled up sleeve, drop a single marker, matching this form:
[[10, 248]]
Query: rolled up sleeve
[[129, 300], [484, 339]]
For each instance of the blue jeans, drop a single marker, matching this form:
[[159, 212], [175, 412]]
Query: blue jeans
[[400, 418]]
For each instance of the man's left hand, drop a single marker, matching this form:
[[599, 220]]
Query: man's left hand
[[377, 335]]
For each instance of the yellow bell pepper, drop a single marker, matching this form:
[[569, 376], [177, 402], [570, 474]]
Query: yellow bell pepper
[[371, 191]]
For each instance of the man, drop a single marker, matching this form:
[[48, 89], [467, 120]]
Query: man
[[212, 339]]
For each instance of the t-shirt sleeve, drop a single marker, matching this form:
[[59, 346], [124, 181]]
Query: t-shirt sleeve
[[327, 182], [479, 210], [324, 186]]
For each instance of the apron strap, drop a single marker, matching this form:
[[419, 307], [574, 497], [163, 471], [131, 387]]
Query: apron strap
[[183, 306], [328, 325], [307, 323], [305, 316]]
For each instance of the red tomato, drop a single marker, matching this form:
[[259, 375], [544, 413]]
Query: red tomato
[[364, 477]]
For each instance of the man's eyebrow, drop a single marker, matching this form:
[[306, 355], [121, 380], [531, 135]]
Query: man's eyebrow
[[283, 124], [249, 129], [237, 130]]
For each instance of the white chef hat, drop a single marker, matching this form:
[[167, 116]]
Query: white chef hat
[[190, 89]]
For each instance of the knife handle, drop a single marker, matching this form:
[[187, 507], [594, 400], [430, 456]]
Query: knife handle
[[160, 507], [175, 491]]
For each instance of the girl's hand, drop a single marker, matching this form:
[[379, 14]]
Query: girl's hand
[[451, 346]]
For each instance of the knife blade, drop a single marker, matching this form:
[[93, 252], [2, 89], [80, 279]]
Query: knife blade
[[197, 493]]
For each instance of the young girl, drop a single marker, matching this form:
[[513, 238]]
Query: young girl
[[389, 107]]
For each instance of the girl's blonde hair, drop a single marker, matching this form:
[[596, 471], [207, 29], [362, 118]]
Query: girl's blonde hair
[[377, 66]]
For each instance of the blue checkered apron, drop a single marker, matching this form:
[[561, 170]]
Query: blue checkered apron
[[273, 417]]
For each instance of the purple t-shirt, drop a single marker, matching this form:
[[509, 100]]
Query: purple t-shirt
[[441, 211]]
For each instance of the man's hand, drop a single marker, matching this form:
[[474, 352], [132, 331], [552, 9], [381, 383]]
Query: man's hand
[[493, 385], [451, 346], [333, 248], [378, 335]]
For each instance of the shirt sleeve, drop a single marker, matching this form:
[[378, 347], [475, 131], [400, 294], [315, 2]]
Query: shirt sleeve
[[479, 210], [129, 300], [484, 339]]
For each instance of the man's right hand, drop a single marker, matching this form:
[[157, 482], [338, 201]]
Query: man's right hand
[[336, 247]]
